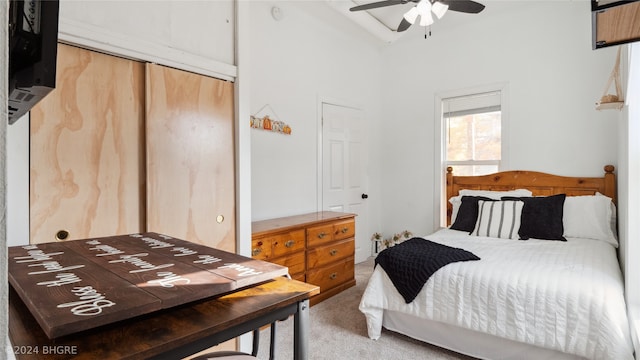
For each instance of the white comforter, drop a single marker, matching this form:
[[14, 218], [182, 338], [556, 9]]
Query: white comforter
[[566, 296]]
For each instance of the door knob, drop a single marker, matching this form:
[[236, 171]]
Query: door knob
[[365, 196]]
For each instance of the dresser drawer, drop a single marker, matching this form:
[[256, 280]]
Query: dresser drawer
[[332, 275], [287, 243], [317, 247], [269, 247], [261, 248], [344, 229], [319, 235], [323, 255], [295, 262]]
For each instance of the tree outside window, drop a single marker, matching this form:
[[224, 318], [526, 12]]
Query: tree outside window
[[473, 136]]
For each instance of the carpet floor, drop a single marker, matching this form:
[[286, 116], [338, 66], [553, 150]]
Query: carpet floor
[[338, 330]]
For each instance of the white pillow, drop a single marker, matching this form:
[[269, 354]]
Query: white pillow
[[613, 219], [590, 217], [500, 219], [496, 195]]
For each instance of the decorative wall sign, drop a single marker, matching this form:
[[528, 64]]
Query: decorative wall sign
[[78, 285], [267, 123]]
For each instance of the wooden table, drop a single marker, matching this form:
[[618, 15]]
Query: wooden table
[[78, 285], [171, 333]]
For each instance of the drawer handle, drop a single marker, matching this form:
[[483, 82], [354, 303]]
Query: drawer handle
[[256, 251], [322, 234], [344, 230], [333, 252], [289, 243], [333, 276]]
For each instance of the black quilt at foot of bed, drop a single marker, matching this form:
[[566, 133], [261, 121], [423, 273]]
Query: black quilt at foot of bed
[[411, 263]]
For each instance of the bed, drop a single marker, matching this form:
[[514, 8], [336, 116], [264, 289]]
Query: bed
[[541, 298]]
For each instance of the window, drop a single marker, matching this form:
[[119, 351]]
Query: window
[[471, 124], [473, 133]]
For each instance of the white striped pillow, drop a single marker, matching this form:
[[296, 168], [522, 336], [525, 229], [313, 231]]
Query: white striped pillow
[[500, 219]]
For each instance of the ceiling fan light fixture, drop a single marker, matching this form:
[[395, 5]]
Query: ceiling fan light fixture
[[411, 15], [426, 20], [439, 9], [424, 7]]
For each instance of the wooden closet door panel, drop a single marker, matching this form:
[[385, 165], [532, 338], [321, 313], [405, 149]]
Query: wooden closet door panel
[[86, 161], [190, 157]]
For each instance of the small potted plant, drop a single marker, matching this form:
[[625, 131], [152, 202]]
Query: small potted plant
[[381, 243]]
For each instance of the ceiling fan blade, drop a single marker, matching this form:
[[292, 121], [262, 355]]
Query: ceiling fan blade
[[404, 25], [378, 4], [465, 6]]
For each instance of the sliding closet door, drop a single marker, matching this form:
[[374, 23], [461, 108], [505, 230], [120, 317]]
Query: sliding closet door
[[87, 146], [190, 157]]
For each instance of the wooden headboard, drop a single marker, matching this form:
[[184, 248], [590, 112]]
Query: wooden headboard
[[540, 184]]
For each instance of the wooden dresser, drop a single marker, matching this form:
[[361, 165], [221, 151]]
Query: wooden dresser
[[318, 248]]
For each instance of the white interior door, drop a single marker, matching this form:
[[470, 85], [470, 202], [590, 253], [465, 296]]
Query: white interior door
[[344, 162]]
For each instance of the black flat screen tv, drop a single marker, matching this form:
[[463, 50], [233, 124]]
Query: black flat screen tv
[[33, 48]]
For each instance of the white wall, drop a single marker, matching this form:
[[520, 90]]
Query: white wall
[[18, 182], [542, 50], [196, 36], [629, 194], [181, 25], [312, 53], [4, 284]]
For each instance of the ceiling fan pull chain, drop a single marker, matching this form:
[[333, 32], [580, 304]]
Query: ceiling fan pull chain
[[425, 31]]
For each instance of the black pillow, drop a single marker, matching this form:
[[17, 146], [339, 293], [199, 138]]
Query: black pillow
[[468, 213], [541, 217]]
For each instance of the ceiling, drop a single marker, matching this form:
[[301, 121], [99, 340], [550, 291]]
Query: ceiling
[[381, 22], [389, 16]]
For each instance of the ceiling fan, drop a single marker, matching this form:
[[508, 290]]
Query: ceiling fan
[[424, 8]]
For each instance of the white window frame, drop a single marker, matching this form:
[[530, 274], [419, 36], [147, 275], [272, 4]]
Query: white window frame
[[440, 209], [445, 117]]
